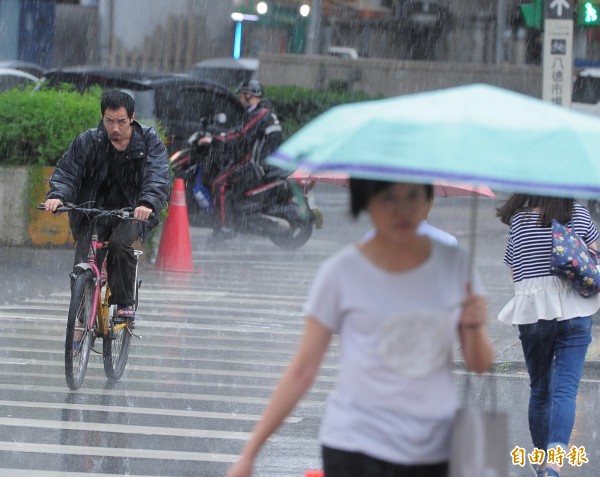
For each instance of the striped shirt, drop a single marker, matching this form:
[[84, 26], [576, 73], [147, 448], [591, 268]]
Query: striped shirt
[[529, 244]]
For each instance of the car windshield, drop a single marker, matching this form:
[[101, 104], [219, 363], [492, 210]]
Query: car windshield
[[10, 81], [192, 104], [145, 109], [586, 89], [230, 77]]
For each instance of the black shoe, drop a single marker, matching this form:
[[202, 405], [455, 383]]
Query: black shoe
[[219, 235], [224, 233]]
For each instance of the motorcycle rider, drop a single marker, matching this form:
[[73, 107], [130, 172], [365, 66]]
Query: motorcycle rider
[[248, 146]]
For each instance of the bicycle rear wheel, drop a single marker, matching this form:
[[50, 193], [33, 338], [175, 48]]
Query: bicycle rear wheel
[[78, 321]]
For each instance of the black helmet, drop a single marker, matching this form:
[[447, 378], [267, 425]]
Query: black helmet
[[252, 87]]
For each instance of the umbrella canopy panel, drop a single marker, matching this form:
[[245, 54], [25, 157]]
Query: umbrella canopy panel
[[477, 134], [440, 188]]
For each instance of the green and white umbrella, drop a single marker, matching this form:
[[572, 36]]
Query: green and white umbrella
[[476, 134]]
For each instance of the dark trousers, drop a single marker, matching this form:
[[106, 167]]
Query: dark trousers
[[339, 463], [228, 187], [121, 262]]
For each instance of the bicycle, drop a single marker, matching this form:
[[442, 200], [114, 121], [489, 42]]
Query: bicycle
[[90, 314]]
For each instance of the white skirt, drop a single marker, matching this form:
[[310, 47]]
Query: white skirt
[[546, 298]]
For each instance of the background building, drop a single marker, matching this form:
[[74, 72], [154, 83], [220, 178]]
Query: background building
[[173, 34]]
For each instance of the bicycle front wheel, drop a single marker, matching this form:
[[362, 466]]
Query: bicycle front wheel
[[79, 338], [115, 348]]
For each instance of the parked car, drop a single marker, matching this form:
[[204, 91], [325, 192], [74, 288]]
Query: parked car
[[31, 68], [343, 52], [11, 78], [586, 91], [177, 101], [229, 71]]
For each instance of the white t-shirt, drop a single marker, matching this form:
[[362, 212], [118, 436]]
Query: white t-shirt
[[395, 396], [424, 228]]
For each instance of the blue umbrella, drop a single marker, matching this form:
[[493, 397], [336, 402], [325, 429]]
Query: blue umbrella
[[477, 134]]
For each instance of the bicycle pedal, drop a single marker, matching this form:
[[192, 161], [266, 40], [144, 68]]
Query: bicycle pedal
[[130, 327]]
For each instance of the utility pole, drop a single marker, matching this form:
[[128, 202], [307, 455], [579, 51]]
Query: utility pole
[[314, 27], [105, 22], [500, 31]]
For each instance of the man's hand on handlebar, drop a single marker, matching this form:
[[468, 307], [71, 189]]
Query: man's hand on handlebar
[[52, 204], [142, 213]]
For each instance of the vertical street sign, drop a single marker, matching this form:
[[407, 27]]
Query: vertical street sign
[[557, 81]]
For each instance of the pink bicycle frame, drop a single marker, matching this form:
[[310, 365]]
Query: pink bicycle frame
[[99, 279]]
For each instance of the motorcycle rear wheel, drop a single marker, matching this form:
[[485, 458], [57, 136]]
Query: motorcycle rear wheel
[[297, 235]]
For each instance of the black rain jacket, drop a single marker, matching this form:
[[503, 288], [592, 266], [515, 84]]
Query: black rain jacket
[[259, 135], [142, 171]]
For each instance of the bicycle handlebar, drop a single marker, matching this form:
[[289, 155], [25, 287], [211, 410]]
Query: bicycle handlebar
[[126, 213]]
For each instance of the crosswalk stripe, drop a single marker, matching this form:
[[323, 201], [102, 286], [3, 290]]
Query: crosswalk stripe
[[229, 338], [156, 395], [241, 327], [159, 454], [246, 362], [120, 428], [318, 388], [4, 472], [141, 410]]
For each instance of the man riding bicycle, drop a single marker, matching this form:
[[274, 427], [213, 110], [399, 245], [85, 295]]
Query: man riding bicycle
[[119, 164]]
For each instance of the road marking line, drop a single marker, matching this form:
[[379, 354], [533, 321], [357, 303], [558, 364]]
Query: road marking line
[[123, 428], [57, 473], [142, 410], [156, 395], [16, 361], [116, 452], [242, 327], [244, 362], [167, 382], [198, 370]]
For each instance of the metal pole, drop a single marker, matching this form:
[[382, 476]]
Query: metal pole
[[312, 42], [105, 19], [500, 30]]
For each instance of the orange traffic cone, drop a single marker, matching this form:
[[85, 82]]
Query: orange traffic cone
[[314, 473], [175, 248]]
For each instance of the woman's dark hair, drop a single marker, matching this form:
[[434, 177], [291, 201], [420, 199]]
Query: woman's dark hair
[[363, 190], [116, 99], [558, 208]]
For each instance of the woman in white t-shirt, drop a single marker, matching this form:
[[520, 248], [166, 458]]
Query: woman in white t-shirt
[[398, 302]]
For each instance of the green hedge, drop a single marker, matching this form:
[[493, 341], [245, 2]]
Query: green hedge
[[296, 106], [37, 127]]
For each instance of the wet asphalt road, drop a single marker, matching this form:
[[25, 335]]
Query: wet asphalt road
[[214, 343]]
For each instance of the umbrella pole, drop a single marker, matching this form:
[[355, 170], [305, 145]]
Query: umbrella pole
[[473, 236]]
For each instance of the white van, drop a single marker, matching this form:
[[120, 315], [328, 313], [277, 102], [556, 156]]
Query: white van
[[344, 52]]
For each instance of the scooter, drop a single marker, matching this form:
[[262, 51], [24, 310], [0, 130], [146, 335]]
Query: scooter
[[278, 208]]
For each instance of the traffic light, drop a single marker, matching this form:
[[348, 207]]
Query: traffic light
[[588, 12], [533, 13]]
